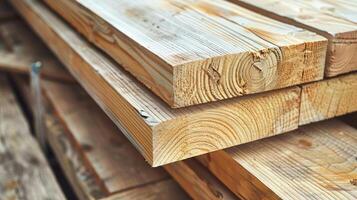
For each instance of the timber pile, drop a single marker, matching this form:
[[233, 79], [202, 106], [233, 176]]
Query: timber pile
[[143, 68]]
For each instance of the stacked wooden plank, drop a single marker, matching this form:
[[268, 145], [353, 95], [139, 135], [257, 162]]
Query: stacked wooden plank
[[254, 77]]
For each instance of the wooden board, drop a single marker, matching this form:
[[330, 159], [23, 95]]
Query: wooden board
[[333, 19], [24, 171], [193, 131], [318, 161], [191, 52], [110, 153], [21, 47], [329, 98]]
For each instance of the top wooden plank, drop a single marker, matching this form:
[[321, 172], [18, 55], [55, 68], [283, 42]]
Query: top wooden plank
[[191, 52], [334, 19]]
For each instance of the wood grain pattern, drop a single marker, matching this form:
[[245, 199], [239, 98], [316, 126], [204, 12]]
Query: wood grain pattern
[[88, 165], [22, 48], [24, 171], [333, 19], [329, 98], [193, 131], [191, 52], [317, 161]]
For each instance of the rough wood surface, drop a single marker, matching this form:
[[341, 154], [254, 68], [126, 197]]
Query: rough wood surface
[[24, 171], [318, 161], [329, 98], [190, 52], [333, 19], [147, 119], [20, 47]]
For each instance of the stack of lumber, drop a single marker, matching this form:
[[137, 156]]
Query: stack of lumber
[[233, 100]]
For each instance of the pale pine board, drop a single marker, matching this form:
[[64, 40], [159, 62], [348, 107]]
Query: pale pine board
[[193, 131], [108, 153], [318, 161], [191, 52], [24, 171], [20, 47], [333, 19], [329, 98]]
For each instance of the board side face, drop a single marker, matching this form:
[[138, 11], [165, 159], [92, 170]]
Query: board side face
[[185, 69], [145, 66], [320, 155], [328, 98], [228, 124], [335, 20]]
